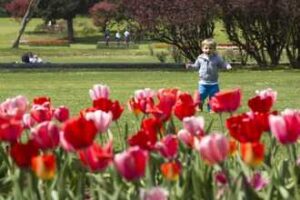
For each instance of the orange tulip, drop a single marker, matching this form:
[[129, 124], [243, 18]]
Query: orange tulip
[[171, 170], [44, 166], [252, 153]]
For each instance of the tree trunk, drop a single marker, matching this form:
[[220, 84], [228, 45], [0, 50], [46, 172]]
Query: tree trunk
[[70, 29], [25, 20]]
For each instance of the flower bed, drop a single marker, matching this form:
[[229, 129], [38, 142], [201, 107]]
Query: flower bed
[[46, 152], [46, 42]]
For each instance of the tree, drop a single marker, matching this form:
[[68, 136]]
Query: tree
[[66, 9], [260, 27], [17, 8], [102, 13], [26, 18], [182, 23], [293, 46]]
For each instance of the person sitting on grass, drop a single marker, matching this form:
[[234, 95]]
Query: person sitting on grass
[[29, 57], [208, 63]]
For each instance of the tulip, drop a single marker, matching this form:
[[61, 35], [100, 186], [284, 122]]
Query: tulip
[[257, 181], [23, 153], [10, 129], [62, 113], [28, 121], [263, 101], [168, 146], [186, 137], [44, 166], [155, 193], [194, 125], [226, 101], [79, 132], [171, 170], [41, 113], [185, 106], [144, 94], [14, 107], [286, 127], [131, 164], [42, 100], [116, 110], [213, 148], [144, 139], [46, 135], [95, 157], [252, 153], [102, 120], [99, 91]]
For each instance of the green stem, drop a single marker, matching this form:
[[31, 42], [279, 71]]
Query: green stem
[[221, 121]]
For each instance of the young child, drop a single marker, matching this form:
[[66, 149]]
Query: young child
[[208, 63]]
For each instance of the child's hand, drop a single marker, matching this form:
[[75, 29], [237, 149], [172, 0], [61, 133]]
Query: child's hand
[[187, 65], [228, 67]]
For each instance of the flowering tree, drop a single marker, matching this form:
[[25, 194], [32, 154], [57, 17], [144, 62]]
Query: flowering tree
[[261, 28], [182, 23]]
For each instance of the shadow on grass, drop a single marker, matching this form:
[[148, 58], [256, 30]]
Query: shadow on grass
[[93, 39]]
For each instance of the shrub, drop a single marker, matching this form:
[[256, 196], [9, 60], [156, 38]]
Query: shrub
[[162, 56]]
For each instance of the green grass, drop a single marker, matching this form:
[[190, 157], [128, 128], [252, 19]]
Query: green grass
[[70, 88]]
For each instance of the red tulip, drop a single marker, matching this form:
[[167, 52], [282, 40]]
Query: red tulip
[[185, 106], [286, 127], [116, 110], [226, 101], [244, 127], [41, 113], [79, 132], [62, 113], [23, 153], [44, 166], [252, 153], [131, 164], [263, 101], [213, 148], [10, 129], [95, 157], [42, 100], [46, 135], [168, 146], [144, 139]]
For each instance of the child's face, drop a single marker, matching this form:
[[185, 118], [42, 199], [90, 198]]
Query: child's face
[[208, 49]]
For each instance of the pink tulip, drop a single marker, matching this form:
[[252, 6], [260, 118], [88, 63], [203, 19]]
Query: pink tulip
[[213, 148], [226, 101], [99, 91], [62, 113], [194, 125], [186, 137], [97, 158], [156, 193], [102, 120], [286, 127], [143, 94], [14, 107], [257, 181], [28, 121], [131, 164], [168, 146], [46, 135]]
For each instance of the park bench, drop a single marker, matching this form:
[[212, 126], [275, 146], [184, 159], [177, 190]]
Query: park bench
[[117, 45]]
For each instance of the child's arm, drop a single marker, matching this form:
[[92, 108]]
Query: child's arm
[[193, 65]]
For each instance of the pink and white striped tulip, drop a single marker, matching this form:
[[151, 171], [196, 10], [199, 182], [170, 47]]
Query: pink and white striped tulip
[[28, 121], [186, 137], [131, 164], [267, 93], [46, 135], [101, 119], [213, 148], [145, 93], [155, 193], [286, 127], [99, 91], [14, 107], [194, 125]]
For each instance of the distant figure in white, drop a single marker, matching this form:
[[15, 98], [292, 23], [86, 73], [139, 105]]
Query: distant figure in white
[[118, 37], [127, 38]]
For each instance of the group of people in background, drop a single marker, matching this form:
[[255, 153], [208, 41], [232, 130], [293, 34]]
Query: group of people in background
[[118, 37]]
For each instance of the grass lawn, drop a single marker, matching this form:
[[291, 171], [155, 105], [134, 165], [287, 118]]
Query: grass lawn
[[70, 88]]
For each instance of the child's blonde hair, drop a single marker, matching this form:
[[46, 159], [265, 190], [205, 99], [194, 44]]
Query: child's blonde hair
[[209, 42]]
